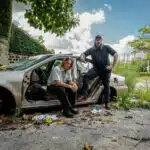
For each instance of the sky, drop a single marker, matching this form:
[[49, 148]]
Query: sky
[[116, 20]]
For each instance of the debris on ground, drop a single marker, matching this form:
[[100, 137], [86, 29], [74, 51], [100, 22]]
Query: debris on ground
[[27, 117], [27, 126], [91, 115], [129, 117], [46, 118], [96, 109], [107, 113], [87, 147]]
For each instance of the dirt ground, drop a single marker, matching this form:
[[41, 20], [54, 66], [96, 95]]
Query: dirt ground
[[106, 130]]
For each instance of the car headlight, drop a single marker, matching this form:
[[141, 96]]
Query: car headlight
[[118, 81], [115, 80]]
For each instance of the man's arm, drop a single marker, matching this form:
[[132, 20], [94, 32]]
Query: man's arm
[[85, 54], [115, 59], [112, 52], [56, 78]]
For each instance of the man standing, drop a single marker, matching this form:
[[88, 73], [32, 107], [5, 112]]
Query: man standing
[[101, 67]]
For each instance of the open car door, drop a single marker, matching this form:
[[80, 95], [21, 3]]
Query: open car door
[[95, 86]]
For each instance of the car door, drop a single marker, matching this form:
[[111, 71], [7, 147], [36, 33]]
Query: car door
[[94, 84], [28, 80]]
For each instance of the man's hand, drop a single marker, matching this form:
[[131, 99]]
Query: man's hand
[[110, 67], [74, 87], [82, 58]]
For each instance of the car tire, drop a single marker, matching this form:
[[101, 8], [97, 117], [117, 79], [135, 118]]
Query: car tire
[[5, 106], [112, 95]]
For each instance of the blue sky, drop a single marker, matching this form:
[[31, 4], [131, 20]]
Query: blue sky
[[125, 18], [118, 25]]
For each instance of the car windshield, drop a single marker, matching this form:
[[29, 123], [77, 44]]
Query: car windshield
[[22, 65]]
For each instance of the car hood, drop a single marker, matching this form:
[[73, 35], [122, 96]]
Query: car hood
[[11, 75], [119, 77]]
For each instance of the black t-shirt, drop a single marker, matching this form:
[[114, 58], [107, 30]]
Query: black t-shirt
[[100, 56]]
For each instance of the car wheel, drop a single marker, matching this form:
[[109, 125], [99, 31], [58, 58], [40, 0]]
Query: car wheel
[[113, 94], [5, 106]]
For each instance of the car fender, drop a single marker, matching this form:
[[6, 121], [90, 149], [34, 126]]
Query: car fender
[[13, 91]]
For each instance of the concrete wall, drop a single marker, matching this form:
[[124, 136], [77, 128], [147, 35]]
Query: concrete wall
[[7, 58]]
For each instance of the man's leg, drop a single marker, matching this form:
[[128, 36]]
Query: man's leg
[[71, 96], [60, 92], [72, 100], [92, 73], [106, 81]]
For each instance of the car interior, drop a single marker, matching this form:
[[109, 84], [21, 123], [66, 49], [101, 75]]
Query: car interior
[[37, 89]]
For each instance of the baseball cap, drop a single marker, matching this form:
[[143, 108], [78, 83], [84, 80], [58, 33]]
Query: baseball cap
[[98, 37]]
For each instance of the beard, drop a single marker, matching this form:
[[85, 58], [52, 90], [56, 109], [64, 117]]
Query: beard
[[97, 44]]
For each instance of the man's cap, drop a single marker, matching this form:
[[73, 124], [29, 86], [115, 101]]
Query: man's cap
[[98, 37]]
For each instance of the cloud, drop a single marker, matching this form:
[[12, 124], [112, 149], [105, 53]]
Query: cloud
[[77, 40], [122, 46], [108, 6]]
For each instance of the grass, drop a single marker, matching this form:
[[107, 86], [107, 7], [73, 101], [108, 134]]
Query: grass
[[132, 76], [142, 78], [129, 71]]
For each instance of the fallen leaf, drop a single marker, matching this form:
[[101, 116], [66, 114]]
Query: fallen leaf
[[48, 120], [60, 122], [129, 117], [87, 147], [27, 126]]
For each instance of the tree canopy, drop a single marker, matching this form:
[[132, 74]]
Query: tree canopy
[[55, 16], [142, 43]]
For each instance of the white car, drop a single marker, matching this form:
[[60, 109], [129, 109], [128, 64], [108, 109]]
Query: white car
[[23, 84]]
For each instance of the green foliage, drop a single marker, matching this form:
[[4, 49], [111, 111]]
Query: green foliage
[[123, 101], [52, 51], [129, 71], [22, 42], [144, 73], [142, 43], [55, 16], [143, 94], [5, 17], [142, 66], [145, 30]]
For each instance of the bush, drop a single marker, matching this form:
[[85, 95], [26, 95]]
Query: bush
[[144, 73], [5, 18], [142, 67], [21, 42], [129, 71]]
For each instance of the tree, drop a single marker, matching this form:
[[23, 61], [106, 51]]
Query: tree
[[5, 27], [22, 43], [142, 43], [52, 51], [41, 40], [55, 16]]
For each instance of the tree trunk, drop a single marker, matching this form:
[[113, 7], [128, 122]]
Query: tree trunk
[[5, 27]]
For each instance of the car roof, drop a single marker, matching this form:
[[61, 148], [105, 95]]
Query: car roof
[[65, 55]]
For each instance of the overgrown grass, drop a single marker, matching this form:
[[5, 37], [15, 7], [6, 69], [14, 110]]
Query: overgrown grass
[[129, 71], [124, 101], [132, 76]]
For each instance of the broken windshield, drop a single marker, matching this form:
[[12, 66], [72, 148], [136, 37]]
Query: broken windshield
[[22, 65]]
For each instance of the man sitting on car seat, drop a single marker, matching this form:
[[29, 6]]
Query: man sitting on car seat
[[60, 83]]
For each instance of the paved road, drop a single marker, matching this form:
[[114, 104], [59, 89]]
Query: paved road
[[120, 131]]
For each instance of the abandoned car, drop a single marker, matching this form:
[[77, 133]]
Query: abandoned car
[[24, 84]]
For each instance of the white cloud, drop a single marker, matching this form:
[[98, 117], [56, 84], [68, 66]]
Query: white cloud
[[122, 46], [108, 6], [78, 39]]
